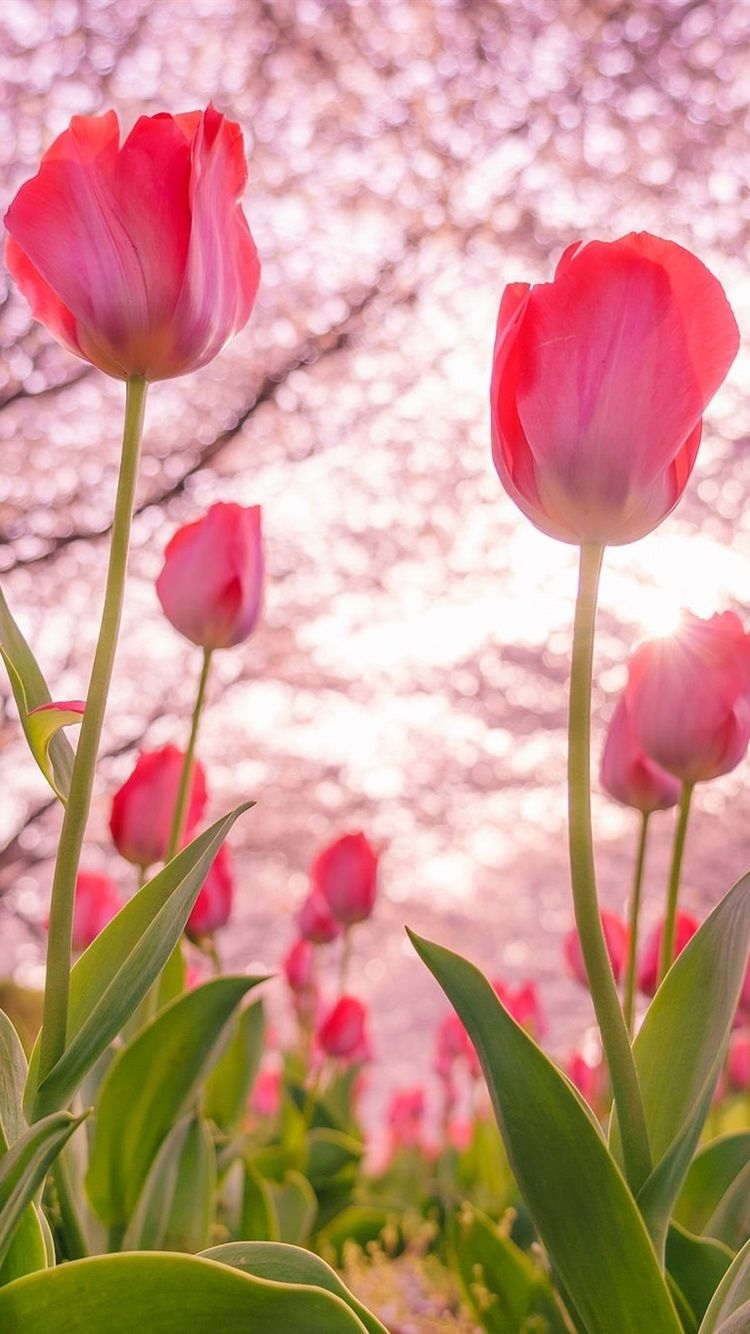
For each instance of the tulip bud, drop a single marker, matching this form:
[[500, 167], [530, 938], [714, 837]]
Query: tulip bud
[[628, 774], [96, 903], [213, 906], [299, 965], [406, 1112], [685, 926], [143, 808], [522, 1003], [211, 584], [316, 922], [342, 1031], [345, 873], [616, 938]]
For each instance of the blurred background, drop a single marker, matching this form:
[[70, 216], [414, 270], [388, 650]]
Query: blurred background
[[407, 159]]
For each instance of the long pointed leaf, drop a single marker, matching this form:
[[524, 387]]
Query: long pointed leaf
[[574, 1191], [149, 1085], [24, 1167], [30, 690], [731, 1296], [174, 1211], [678, 1060], [116, 971], [12, 1078], [171, 1294]]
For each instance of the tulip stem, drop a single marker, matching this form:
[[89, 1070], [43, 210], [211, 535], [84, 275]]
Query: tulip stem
[[669, 932], [179, 819], [627, 1093], [57, 986], [635, 912]]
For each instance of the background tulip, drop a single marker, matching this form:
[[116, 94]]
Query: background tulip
[[522, 1004], [688, 697], [616, 936], [138, 257], [299, 965], [628, 774], [97, 901], [342, 1031], [685, 927], [211, 585], [599, 383], [213, 906], [142, 809], [316, 922], [345, 874]]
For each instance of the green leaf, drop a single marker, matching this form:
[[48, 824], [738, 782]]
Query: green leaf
[[679, 1061], [43, 724], [715, 1198], [175, 1209], [507, 1291], [576, 1195], [290, 1264], [295, 1207], [329, 1154], [168, 1293], [12, 1080], [117, 970], [24, 1166], [258, 1217], [30, 690], [229, 1084], [697, 1265], [360, 1223], [27, 1251], [149, 1085], [731, 1297]]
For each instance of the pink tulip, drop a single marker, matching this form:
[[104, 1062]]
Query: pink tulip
[[143, 807], [688, 697], [138, 258], [299, 966], [738, 1061], [345, 874], [211, 585], [213, 906], [590, 1080], [406, 1113], [522, 1003], [96, 903], [685, 926], [616, 937], [342, 1031], [600, 382], [316, 922], [627, 773], [452, 1044], [265, 1099]]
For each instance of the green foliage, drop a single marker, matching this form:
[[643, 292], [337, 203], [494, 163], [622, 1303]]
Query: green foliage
[[175, 1208], [23, 1168], [228, 1085], [507, 1290], [715, 1199], [580, 1204], [30, 690]]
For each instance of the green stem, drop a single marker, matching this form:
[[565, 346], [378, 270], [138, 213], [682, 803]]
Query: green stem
[[57, 988], [669, 932], [346, 958], [635, 912], [179, 819], [76, 1244], [627, 1094]]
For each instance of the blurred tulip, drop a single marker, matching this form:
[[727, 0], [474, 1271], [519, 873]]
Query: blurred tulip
[[406, 1112], [738, 1061], [143, 807], [590, 1080], [138, 258], [265, 1098], [616, 937], [686, 926], [96, 903], [316, 922], [599, 384], [211, 584], [342, 1031], [628, 774], [522, 1003], [688, 697], [213, 906], [345, 873], [452, 1043], [299, 965]]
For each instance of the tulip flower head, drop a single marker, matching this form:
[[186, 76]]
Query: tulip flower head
[[96, 903], [345, 874], [688, 697], [211, 585], [342, 1031], [213, 906], [599, 385], [299, 966], [616, 938], [406, 1113], [686, 926], [316, 922], [142, 809], [522, 1004], [137, 257], [628, 774]]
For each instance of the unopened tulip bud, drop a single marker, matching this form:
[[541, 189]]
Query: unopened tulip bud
[[342, 1031], [686, 926], [96, 903], [211, 585], [628, 774], [345, 873], [213, 906], [316, 922], [522, 1003], [616, 938], [142, 809], [299, 966]]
